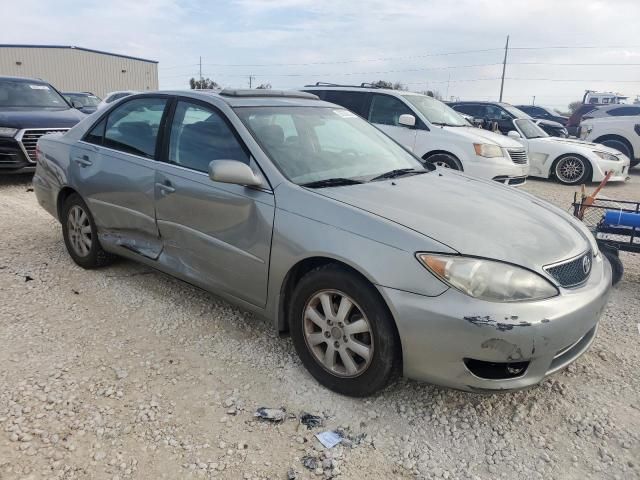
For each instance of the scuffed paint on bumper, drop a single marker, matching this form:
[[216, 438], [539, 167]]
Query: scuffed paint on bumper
[[438, 333]]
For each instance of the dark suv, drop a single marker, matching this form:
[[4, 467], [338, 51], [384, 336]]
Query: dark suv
[[29, 108], [543, 113], [503, 114]]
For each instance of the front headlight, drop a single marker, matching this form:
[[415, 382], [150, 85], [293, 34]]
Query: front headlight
[[8, 132], [487, 279], [487, 150], [585, 130], [607, 156]]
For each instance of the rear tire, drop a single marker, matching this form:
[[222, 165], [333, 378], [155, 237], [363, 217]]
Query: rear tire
[[80, 234], [356, 353], [444, 160], [617, 269], [621, 146]]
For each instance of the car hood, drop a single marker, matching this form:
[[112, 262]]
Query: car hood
[[472, 216], [575, 145], [39, 118], [479, 135]]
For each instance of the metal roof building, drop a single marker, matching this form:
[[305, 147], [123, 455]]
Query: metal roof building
[[77, 69]]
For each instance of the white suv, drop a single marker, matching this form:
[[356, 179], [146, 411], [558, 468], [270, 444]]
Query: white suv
[[433, 131], [621, 133]]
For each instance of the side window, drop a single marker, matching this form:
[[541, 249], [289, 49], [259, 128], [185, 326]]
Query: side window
[[624, 111], [495, 113], [96, 134], [200, 135], [133, 126], [466, 109], [354, 101], [386, 110]]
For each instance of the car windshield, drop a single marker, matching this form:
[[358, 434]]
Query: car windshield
[[85, 99], [316, 144], [14, 93], [516, 112], [529, 129], [436, 112]]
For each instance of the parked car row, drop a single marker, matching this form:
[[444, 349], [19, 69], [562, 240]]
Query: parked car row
[[377, 262], [438, 135]]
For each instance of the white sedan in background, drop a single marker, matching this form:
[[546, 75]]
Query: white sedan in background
[[569, 161]]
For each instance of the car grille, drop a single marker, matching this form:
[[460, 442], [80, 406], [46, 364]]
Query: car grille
[[30, 139], [572, 272], [518, 156]]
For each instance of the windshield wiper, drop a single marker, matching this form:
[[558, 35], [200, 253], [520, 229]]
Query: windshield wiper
[[331, 182], [399, 172]]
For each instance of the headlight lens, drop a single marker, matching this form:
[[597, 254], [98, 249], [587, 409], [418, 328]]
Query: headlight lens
[[7, 132], [585, 130], [487, 279], [607, 156], [487, 150]]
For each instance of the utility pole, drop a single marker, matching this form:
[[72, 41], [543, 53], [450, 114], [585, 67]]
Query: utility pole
[[504, 66], [251, 77], [534, 100]]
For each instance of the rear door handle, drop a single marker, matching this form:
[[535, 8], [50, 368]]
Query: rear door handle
[[83, 160], [165, 188]]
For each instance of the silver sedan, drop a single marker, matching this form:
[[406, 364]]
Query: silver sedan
[[302, 212]]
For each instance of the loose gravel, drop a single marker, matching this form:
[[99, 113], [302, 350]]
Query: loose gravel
[[126, 373]]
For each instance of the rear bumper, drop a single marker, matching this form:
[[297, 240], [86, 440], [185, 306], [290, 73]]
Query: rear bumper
[[439, 335]]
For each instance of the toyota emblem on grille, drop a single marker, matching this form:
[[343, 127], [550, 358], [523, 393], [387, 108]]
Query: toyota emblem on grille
[[586, 264]]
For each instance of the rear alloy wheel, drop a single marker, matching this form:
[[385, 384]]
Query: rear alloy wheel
[[444, 160], [572, 170], [343, 332], [80, 234]]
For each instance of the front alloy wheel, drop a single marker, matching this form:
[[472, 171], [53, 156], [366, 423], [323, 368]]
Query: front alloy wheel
[[338, 333], [343, 331], [572, 170]]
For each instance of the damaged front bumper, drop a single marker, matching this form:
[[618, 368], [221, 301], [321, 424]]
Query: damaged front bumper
[[445, 338]]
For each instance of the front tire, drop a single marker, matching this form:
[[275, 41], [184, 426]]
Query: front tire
[[617, 269], [80, 234], [572, 170], [444, 160], [343, 332]]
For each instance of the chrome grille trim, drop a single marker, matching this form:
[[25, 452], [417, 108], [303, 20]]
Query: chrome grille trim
[[28, 139], [570, 273], [518, 156]]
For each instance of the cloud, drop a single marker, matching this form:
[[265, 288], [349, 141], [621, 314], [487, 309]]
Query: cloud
[[366, 36]]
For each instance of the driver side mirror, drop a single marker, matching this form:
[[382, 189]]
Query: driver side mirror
[[234, 172], [76, 104], [514, 134], [407, 120]]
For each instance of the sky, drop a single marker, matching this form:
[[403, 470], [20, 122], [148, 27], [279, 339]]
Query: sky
[[453, 47]]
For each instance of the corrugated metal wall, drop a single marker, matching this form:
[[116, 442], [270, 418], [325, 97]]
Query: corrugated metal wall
[[70, 69]]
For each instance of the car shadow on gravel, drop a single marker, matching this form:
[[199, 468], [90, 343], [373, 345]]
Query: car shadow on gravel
[[16, 180]]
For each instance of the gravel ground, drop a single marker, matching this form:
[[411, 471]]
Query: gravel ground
[[126, 373]]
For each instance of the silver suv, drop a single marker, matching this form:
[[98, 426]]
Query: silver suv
[[304, 213]]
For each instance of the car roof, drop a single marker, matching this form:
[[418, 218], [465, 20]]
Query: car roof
[[355, 88], [23, 79], [89, 94], [252, 98]]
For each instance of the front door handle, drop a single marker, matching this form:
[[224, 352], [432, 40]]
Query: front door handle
[[165, 188], [83, 160]]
